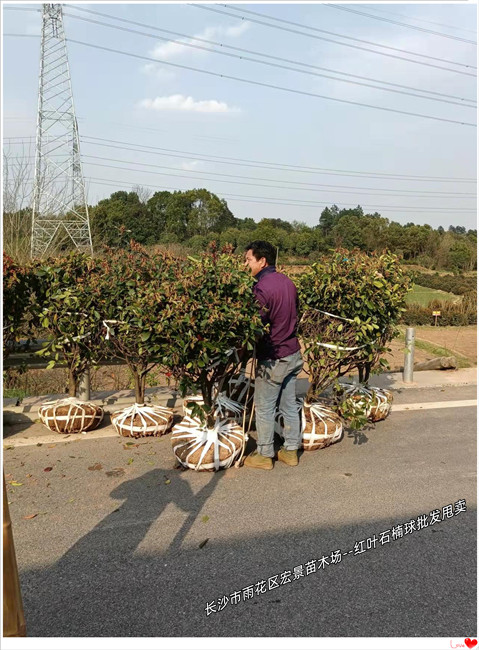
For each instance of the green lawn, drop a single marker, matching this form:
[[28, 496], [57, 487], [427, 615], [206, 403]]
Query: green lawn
[[424, 295]]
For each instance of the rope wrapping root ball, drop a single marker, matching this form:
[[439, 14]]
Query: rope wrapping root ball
[[141, 420], [207, 450], [377, 401], [224, 407], [320, 425], [70, 415]]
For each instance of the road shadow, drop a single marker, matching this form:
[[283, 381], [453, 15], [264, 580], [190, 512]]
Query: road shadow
[[14, 423], [385, 590], [101, 559]]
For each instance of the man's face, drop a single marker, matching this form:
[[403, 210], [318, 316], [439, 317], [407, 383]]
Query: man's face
[[254, 265]]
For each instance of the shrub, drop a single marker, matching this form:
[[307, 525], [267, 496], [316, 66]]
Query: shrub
[[135, 293], [68, 310], [18, 292], [369, 290], [215, 323], [450, 283]]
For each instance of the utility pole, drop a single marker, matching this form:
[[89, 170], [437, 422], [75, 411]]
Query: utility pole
[[60, 212]]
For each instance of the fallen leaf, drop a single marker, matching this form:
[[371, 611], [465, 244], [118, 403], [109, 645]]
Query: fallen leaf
[[28, 475], [201, 544], [71, 456], [31, 516], [48, 469], [96, 466], [167, 481], [129, 444], [8, 475], [150, 462], [39, 444], [15, 483], [51, 446], [118, 471], [9, 447], [129, 461], [204, 519], [71, 500]]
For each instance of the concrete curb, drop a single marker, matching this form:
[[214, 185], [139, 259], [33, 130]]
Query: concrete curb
[[115, 400]]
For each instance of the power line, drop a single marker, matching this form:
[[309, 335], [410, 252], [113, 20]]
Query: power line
[[422, 20], [297, 203], [245, 58], [396, 49], [276, 58], [245, 162], [21, 9], [322, 38], [303, 189], [285, 166], [273, 86], [274, 65], [422, 193], [395, 22], [275, 200]]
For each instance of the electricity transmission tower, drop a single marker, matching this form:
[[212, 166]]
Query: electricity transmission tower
[[60, 212]]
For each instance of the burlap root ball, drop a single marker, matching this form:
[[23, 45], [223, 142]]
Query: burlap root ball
[[70, 415], [141, 420], [207, 450], [320, 425], [377, 401], [381, 405]]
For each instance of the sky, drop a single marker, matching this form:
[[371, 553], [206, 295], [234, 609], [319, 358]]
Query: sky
[[269, 152]]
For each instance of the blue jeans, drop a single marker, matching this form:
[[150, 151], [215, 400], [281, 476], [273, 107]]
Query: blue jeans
[[275, 384]]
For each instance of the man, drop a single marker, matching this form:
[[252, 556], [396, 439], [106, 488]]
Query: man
[[279, 358]]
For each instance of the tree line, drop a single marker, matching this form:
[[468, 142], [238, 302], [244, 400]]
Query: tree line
[[193, 218]]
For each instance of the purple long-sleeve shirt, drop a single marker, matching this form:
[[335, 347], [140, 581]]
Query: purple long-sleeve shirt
[[278, 301]]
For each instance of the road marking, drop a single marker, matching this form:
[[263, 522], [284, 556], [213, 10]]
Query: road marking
[[53, 438], [109, 431], [434, 405]]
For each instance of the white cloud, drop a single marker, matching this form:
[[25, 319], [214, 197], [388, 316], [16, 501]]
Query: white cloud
[[158, 71], [238, 30], [181, 103], [171, 49], [191, 165]]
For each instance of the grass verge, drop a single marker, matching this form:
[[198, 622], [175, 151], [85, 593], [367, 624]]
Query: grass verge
[[424, 295]]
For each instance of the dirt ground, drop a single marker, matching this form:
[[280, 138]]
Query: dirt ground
[[459, 340]]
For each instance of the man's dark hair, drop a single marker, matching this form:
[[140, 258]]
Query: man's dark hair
[[264, 249]]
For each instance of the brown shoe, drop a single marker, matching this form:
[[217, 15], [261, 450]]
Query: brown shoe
[[258, 461], [290, 457]]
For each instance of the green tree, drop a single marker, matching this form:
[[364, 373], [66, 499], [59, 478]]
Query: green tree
[[121, 209], [207, 213]]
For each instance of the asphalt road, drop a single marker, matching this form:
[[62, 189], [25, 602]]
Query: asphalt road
[[124, 555]]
